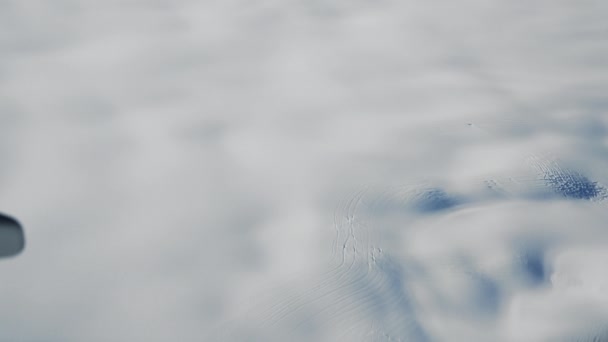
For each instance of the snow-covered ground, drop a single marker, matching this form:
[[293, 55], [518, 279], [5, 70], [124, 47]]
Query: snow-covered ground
[[305, 170]]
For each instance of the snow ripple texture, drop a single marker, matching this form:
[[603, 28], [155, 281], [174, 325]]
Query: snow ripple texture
[[367, 296]]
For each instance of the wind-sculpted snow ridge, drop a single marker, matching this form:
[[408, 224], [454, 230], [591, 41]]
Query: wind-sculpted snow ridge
[[389, 276]]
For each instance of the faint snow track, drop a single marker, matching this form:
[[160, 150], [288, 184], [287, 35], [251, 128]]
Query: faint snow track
[[361, 297]]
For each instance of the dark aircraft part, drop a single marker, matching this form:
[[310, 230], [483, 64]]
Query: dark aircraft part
[[12, 239]]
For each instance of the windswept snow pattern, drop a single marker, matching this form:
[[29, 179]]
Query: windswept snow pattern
[[372, 293], [304, 170], [568, 183], [363, 297]]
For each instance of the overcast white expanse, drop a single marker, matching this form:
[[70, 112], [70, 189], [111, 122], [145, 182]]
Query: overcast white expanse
[[306, 170]]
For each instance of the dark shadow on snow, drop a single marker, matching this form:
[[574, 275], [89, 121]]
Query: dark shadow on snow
[[433, 200]]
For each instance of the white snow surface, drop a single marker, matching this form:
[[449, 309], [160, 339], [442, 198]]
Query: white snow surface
[[305, 170]]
